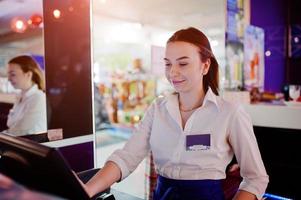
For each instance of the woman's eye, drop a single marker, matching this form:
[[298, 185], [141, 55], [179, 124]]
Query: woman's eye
[[167, 64], [182, 64]]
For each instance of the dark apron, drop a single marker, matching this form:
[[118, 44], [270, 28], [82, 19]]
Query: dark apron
[[171, 189]]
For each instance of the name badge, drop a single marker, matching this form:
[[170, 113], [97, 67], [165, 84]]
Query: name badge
[[197, 142]]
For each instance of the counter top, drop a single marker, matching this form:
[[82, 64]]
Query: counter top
[[123, 196], [276, 116]]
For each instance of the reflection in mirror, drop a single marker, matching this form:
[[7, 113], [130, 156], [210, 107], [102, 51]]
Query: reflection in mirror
[[21, 34], [28, 115]]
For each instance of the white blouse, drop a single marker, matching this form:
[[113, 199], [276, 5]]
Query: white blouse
[[28, 115], [200, 150]]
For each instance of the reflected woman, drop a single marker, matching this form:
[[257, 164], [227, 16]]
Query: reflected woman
[[28, 115]]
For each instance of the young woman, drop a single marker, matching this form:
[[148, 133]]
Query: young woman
[[193, 133], [28, 115]]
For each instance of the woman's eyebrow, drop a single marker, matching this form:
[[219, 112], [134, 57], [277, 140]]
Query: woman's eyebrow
[[181, 58]]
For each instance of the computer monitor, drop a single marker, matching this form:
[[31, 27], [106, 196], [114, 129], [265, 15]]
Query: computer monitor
[[38, 167]]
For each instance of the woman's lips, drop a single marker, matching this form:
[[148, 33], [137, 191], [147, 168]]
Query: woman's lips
[[177, 82]]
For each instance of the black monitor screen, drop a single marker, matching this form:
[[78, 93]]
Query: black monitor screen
[[38, 167]]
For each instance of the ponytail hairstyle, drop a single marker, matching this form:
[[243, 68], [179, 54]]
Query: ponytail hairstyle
[[28, 64], [196, 37]]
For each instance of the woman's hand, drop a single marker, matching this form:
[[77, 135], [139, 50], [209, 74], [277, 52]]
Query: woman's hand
[[233, 168], [244, 195]]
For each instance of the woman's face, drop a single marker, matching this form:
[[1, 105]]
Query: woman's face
[[18, 78], [184, 68]]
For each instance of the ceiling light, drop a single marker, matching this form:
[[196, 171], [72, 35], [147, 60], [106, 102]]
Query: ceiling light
[[57, 13], [18, 25]]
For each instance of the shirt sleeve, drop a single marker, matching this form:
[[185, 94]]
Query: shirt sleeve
[[136, 148], [244, 144]]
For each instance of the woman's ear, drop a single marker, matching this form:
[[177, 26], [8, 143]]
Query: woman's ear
[[29, 74], [206, 66]]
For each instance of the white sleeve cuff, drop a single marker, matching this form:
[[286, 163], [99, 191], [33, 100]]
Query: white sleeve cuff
[[258, 190]]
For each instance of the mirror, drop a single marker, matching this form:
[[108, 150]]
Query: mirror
[[21, 32], [68, 66], [62, 42]]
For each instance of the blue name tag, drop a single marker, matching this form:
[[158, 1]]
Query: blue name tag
[[197, 142]]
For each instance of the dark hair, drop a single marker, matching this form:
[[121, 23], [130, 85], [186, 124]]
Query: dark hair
[[199, 39], [27, 63]]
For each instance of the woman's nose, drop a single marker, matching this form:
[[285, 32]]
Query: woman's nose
[[173, 70]]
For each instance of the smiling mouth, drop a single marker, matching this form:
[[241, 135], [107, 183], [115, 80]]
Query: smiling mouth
[[177, 82]]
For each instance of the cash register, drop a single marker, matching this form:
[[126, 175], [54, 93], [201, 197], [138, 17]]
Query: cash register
[[43, 169]]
